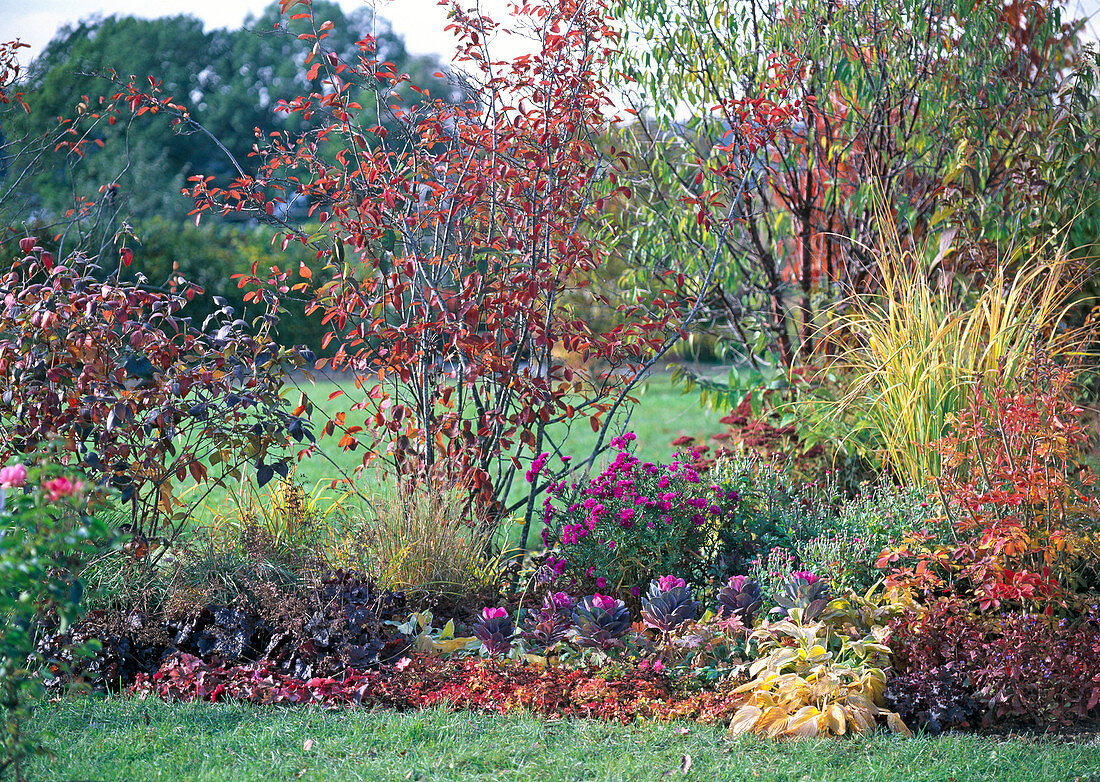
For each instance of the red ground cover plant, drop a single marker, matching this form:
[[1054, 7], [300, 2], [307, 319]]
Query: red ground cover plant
[[421, 681]]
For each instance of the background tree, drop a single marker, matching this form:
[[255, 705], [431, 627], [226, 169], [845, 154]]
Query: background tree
[[969, 118], [125, 184]]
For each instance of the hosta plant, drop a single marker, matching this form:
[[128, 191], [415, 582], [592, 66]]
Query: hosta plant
[[426, 638], [494, 629], [668, 604], [600, 622], [741, 597], [811, 682]]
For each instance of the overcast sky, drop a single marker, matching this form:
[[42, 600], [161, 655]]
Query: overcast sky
[[419, 22]]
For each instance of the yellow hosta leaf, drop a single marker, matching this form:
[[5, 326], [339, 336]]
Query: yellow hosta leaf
[[895, 723], [425, 643], [837, 721], [803, 724], [744, 720], [773, 721]]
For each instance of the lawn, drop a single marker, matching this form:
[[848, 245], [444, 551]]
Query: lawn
[[662, 414], [116, 739]]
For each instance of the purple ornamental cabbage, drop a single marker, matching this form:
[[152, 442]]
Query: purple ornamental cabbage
[[600, 621], [668, 604], [494, 629]]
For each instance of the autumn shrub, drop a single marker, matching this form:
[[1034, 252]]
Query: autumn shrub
[[1025, 517], [136, 395], [47, 537], [636, 521]]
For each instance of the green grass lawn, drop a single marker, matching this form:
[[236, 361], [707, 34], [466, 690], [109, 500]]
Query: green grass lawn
[[128, 739], [661, 415]]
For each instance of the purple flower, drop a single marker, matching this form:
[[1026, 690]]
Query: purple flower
[[536, 467], [622, 440]]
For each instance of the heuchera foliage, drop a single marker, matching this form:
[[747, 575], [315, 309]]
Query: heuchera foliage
[[1016, 666], [1026, 515], [635, 521], [450, 235], [115, 375]]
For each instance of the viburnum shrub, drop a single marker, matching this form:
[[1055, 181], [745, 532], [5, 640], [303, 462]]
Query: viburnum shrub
[[46, 536], [1025, 513], [115, 376], [636, 521], [451, 235]]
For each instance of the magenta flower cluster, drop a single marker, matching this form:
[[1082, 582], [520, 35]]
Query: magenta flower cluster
[[632, 512]]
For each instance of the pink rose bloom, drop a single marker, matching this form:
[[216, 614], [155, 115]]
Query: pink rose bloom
[[806, 576], [56, 488], [13, 476], [494, 613], [668, 583], [606, 602]]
